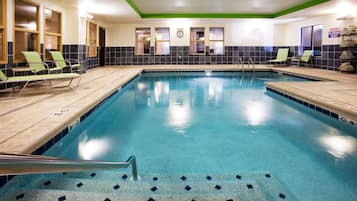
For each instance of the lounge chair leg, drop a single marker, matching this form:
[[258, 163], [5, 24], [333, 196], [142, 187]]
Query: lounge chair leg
[[22, 89], [79, 80], [70, 82]]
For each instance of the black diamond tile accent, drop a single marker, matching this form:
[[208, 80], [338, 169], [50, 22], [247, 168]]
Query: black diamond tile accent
[[93, 174], [64, 173], [267, 175], [155, 178], [107, 199], [80, 184], [20, 196], [218, 187], [153, 189], [208, 177], [238, 177], [230, 200], [250, 186], [151, 199], [124, 176], [62, 198], [188, 188], [183, 178], [116, 187], [47, 183], [282, 196]]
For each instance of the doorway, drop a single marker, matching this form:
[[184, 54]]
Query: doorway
[[101, 46]]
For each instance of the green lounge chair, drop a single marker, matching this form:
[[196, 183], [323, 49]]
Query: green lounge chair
[[304, 58], [35, 62], [281, 57], [34, 78], [60, 62]]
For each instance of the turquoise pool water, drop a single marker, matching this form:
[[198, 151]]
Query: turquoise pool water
[[221, 123]]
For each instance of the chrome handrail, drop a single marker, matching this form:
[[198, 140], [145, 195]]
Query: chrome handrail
[[240, 60], [20, 164], [251, 61]]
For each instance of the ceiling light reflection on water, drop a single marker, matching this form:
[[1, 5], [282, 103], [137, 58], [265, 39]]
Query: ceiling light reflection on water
[[179, 114], [339, 146], [90, 149], [256, 112]]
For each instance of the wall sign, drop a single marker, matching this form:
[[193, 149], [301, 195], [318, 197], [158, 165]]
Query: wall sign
[[334, 32]]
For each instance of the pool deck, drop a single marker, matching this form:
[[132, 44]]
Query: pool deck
[[40, 114]]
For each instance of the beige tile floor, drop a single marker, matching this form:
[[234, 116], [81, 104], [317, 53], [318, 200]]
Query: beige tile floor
[[32, 119], [337, 92]]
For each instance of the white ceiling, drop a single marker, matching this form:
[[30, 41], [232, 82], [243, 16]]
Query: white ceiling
[[119, 11], [215, 6]]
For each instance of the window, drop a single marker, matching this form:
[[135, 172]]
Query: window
[[92, 30], [197, 41], [311, 39], [53, 32], [27, 35], [3, 40], [162, 41], [142, 41], [216, 40]]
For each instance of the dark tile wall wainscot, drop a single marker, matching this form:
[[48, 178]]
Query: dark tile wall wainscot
[[181, 55], [75, 51]]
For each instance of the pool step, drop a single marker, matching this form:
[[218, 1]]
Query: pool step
[[62, 195], [85, 185], [126, 176], [120, 186], [269, 184]]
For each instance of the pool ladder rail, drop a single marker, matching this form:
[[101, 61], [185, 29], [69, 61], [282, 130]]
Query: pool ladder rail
[[20, 164], [250, 62]]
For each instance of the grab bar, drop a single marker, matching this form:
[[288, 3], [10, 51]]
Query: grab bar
[[240, 60], [251, 61], [20, 164]]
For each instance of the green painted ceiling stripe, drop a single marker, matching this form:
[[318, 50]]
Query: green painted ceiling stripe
[[207, 15], [225, 15], [135, 7], [299, 7]]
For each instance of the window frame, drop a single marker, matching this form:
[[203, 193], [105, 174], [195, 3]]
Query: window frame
[[204, 41], [312, 36], [37, 31], [209, 40], [88, 39], [3, 29], [159, 41], [136, 41], [59, 35]]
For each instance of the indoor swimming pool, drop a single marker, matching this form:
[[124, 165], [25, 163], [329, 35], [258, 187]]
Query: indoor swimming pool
[[220, 123]]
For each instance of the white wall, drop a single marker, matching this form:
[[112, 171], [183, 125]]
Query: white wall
[[292, 31], [10, 20], [237, 32]]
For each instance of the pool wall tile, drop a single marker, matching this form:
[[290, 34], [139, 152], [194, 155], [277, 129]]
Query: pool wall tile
[[312, 106]]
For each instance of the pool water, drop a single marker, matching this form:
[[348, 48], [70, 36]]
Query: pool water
[[221, 123]]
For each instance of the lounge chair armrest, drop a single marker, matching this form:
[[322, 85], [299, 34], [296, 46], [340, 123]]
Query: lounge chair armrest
[[45, 64], [73, 60], [296, 57]]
